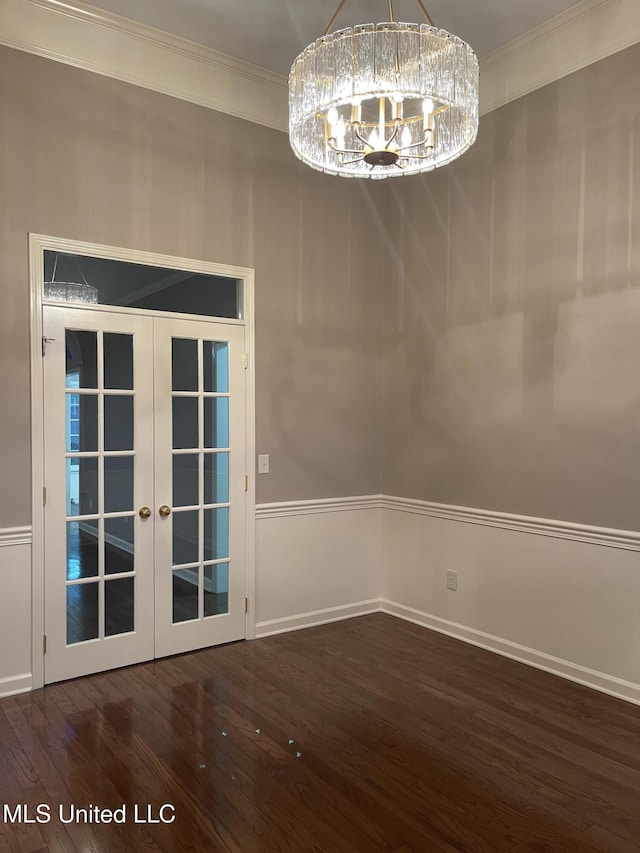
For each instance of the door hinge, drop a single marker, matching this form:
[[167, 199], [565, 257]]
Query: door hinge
[[246, 605], [44, 644], [246, 361], [246, 482], [44, 496], [46, 341]]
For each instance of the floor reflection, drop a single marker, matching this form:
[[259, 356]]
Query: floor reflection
[[83, 599]]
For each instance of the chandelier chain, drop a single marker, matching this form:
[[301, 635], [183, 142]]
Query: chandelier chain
[[335, 17], [423, 9], [427, 16]]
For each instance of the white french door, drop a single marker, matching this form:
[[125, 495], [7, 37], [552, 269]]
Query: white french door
[[145, 477]]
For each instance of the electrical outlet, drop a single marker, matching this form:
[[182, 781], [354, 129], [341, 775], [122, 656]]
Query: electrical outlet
[[263, 463], [452, 581]]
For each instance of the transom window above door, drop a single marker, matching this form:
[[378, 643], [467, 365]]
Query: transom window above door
[[142, 286]]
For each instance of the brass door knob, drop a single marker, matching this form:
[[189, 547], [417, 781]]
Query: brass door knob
[[164, 511], [144, 512]]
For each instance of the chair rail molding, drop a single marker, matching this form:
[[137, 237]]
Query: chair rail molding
[[313, 507], [15, 536], [628, 540]]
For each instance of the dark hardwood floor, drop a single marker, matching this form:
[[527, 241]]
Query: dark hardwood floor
[[366, 735]]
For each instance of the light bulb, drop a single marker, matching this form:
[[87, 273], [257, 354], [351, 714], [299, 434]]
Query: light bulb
[[427, 111], [373, 139], [405, 137], [340, 131], [332, 117]]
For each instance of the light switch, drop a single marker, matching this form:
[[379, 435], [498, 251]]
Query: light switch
[[263, 463]]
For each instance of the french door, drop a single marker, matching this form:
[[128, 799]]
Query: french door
[[145, 479]]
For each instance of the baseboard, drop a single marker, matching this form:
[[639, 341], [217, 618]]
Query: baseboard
[[316, 617], [600, 681], [16, 684]]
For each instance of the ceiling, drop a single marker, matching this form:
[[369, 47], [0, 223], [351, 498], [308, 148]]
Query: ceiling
[[271, 33]]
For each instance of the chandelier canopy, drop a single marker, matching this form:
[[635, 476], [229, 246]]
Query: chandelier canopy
[[381, 100]]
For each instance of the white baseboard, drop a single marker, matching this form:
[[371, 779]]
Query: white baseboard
[[16, 684], [565, 669], [316, 617]]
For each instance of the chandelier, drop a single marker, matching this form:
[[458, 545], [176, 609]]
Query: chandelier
[[381, 100], [70, 291]]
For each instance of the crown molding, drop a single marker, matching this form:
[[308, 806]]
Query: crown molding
[[585, 33], [88, 38], [77, 34]]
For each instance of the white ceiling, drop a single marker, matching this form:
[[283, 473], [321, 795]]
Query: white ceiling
[[271, 33]]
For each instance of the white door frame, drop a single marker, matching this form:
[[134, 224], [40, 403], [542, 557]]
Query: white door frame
[[38, 243]]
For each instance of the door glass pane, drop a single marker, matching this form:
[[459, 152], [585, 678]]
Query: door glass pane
[[81, 350], [185, 422], [216, 478], [185, 537], [118, 361], [216, 589], [136, 285], [82, 485], [185, 479], [216, 533], [118, 606], [118, 483], [118, 544], [82, 423], [216, 421], [185, 595], [118, 422], [215, 364], [184, 364], [82, 549], [82, 612]]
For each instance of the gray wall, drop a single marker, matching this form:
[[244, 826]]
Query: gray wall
[[93, 159], [510, 343], [512, 311]]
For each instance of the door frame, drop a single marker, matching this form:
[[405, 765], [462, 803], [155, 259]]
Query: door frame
[[38, 243]]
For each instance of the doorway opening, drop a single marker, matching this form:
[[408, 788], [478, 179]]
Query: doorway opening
[[143, 439]]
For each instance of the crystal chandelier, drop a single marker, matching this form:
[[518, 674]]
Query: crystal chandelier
[[380, 100], [70, 291]]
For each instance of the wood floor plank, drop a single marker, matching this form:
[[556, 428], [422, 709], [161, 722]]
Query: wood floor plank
[[366, 736]]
